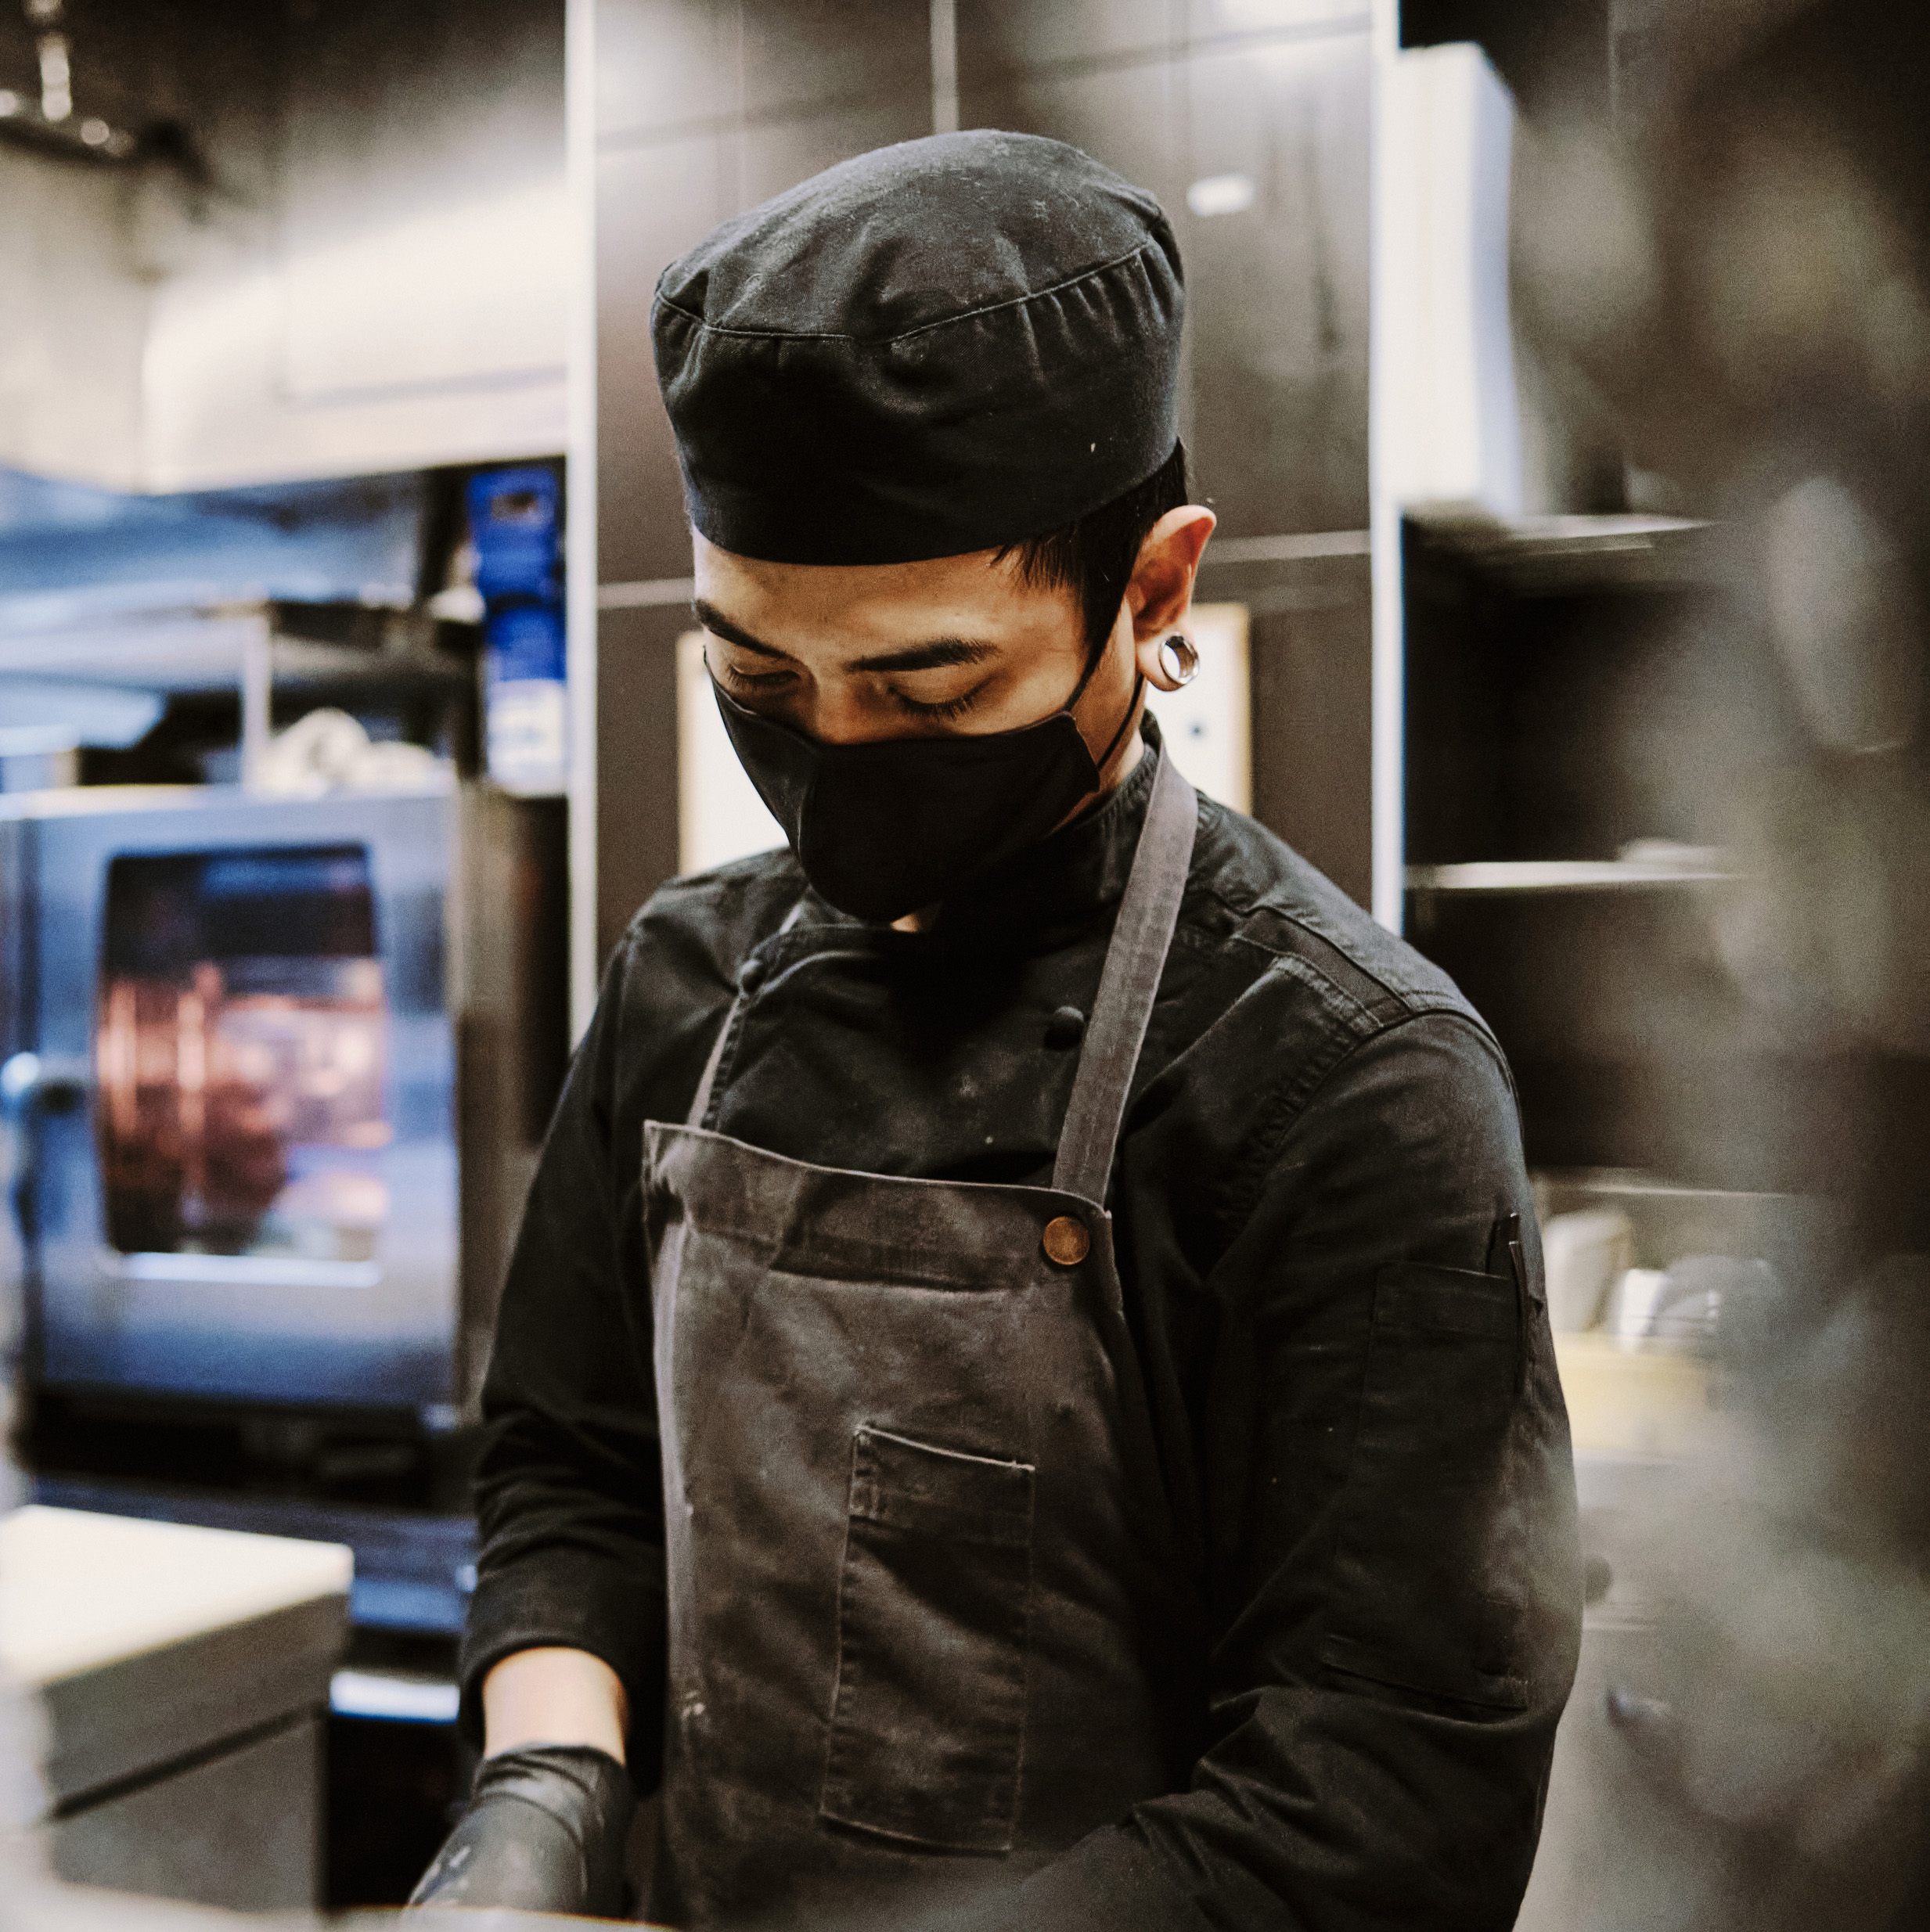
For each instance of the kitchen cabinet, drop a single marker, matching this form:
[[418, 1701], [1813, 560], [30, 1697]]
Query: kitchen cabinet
[[357, 261], [183, 1676], [1267, 105]]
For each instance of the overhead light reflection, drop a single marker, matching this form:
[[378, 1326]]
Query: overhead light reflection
[[57, 78], [1222, 194]]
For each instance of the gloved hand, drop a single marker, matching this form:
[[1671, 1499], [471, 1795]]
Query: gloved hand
[[544, 1832]]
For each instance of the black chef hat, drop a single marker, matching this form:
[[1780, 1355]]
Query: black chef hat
[[936, 347]]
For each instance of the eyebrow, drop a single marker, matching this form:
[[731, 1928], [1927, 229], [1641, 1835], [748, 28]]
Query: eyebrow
[[937, 653]]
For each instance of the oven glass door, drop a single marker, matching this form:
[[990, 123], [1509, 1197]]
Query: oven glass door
[[240, 1046], [259, 1199]]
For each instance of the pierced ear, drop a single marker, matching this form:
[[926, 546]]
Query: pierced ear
[[1163, 577], [1170, 662]]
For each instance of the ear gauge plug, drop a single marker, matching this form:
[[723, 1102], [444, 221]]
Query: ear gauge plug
[[1178, 659]]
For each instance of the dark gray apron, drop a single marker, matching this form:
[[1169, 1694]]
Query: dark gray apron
[[920, 1555]]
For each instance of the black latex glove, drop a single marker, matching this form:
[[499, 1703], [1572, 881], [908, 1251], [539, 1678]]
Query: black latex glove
[[544, 1832]]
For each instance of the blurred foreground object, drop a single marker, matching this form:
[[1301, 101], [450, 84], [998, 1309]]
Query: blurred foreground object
[[1722, 284], [184, 1673]]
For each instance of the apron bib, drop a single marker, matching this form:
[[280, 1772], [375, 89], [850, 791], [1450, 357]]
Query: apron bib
[[923, 1584]]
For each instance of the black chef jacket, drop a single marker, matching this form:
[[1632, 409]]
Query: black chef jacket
[[1354, 1387]]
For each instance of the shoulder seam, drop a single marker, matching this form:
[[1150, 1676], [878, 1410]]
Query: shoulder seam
[[1284, 1107], [1400, 1002]]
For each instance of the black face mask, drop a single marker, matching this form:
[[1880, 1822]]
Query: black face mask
[[887, 826]]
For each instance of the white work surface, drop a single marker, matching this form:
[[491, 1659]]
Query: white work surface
[[184, 1673], [78, 1591]]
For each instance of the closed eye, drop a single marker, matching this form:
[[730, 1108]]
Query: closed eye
[[945, 711], [755, 681]]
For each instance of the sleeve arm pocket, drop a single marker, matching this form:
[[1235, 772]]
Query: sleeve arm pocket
[[1430, 1558]]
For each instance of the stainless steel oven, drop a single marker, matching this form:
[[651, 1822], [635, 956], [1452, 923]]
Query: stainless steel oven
[[276, 1069]]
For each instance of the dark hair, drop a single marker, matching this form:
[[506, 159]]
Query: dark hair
[[1094, 557]]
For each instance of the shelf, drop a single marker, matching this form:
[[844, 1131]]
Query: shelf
[[1572, 874], [1549, 555], [186, 647]]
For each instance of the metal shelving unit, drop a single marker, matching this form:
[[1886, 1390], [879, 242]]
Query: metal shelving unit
[[1553, 866]]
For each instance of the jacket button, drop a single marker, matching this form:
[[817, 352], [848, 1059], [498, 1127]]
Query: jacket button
[[1065, 1028], [1067, 1240], [752, 974]]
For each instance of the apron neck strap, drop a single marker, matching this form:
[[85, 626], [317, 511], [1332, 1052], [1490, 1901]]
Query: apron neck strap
[[701, 1106], [1128, 986]]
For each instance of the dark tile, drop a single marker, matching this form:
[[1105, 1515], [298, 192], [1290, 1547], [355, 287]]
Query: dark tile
[[653, 202], [636, 762], [1125, 117], [1277, 294], [998, 37], [778, 154], [1212, 20], [800, 52], [1311, 680], [660, 62]]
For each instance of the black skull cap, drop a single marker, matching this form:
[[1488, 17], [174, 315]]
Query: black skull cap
[[944, 346]]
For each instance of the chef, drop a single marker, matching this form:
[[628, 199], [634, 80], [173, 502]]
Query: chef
[[1023, 1397]]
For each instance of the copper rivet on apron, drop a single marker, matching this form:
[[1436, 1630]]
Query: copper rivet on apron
[[1067, 1241]]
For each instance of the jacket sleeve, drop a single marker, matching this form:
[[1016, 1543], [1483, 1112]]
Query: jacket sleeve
[[568, 1494], [1393, 1572]]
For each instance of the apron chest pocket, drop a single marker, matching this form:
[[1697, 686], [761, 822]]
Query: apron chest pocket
[[928, 1718]]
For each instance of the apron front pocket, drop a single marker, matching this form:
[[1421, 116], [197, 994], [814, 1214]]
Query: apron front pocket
[[928, 1720]]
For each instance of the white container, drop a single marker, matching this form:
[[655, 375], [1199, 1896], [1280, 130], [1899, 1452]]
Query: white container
[[1584, 1254]]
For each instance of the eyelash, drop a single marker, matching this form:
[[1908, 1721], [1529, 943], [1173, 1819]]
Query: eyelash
[[769, 680], [952, 708], [763, 681]]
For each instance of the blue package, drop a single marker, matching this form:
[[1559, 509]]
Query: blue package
[[513, 523], [524, 640]]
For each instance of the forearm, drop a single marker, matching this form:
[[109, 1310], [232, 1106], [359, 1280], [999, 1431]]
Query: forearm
[[568, 1493], [1326, 1810], [545, 1827], [554, 1696]]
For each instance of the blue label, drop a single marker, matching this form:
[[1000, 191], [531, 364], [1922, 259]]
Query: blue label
[[512, 520], [524, 640]]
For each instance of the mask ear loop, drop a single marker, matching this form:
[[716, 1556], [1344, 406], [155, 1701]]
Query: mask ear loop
[[1133, 705], [1132, 711]]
